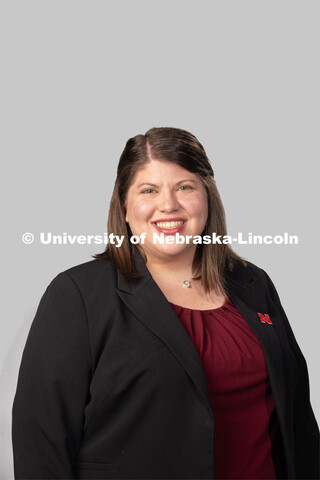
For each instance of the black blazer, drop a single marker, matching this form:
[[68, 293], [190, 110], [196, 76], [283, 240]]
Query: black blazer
[[111, 385]]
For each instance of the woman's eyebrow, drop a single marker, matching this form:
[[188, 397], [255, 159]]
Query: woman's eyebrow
[[146, 183], [178, 183]]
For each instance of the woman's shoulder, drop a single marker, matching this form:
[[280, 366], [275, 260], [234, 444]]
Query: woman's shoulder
[[94, 274], [245, 272], [92, 268], [252, 276]]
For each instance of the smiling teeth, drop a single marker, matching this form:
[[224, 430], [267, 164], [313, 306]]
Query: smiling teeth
[[170, 224]]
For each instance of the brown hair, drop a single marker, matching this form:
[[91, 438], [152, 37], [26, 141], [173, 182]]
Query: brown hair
[[177, 146]]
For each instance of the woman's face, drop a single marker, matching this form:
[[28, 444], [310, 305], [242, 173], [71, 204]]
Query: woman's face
[[165, 197]]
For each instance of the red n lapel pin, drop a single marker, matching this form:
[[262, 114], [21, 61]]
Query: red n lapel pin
[[264, 318]]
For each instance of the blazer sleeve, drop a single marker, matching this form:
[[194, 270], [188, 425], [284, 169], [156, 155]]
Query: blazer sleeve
[[306, 431], [53, 385]]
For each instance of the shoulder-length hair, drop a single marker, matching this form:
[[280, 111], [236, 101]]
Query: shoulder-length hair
[[174, 145]]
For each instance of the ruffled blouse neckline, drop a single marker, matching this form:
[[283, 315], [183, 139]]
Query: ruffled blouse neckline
[[180, 308]]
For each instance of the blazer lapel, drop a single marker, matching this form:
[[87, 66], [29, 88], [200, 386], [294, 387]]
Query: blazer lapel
[[248, 293], [146, 301]]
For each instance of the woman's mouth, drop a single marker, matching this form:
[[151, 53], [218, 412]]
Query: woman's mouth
[[169, 227]]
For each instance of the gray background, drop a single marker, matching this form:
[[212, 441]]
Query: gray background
[[80, 78]]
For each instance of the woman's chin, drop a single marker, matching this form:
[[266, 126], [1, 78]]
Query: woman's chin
[[171, 251]]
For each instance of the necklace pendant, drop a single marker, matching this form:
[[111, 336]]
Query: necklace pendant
[[187, 284]]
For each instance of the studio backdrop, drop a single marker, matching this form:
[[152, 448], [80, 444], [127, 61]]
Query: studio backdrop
[[82, 77]]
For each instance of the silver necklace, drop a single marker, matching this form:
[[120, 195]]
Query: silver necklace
[[185, 283]]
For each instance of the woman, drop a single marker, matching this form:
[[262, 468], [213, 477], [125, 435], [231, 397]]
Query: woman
[[163, 360]]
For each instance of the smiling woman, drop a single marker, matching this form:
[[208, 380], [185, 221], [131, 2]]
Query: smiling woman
[[164, 360]]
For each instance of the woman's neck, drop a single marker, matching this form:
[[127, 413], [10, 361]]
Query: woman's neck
[[174, 266]]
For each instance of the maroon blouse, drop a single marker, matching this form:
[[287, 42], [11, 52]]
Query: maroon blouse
[[247, 439]]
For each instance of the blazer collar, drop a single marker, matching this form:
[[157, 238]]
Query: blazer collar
[[133, 287]]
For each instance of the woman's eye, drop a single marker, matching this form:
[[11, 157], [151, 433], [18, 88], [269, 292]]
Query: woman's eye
[[148, 190], [185, 187]]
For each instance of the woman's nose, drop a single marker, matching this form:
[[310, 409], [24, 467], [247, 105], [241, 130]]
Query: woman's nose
[[168, 202]]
